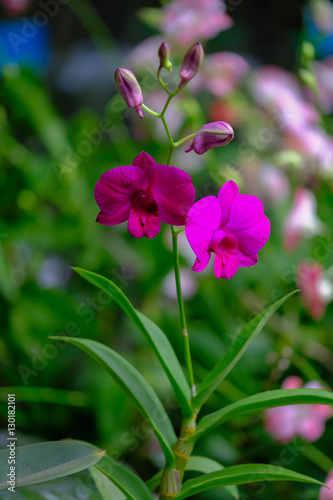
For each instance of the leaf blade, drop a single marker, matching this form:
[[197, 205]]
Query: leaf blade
[[153, 334], [241, 474], [36, 463], [235, 352], [133, 383], [129, 483], [259, 402]]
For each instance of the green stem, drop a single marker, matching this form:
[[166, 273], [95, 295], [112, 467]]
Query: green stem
[[317, 457], [162, 83], [187, 351], [181, 141], [150, 111]]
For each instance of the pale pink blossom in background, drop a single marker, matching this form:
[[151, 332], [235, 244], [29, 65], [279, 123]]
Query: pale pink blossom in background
[[222, 72], [316, 290], [327, 494], [189, 284], [189, 21], [322, 15], [279, 92], [284, 423], [267, 182], [324, 74], [232, 226], [302, 220]]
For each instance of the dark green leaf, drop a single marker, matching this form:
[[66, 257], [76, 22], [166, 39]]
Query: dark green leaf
[[235, 352], [127, 482], [154, 335], [36, 463], [241, 474], [135, 386], [259, 402]]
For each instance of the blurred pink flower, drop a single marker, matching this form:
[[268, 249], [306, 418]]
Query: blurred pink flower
[[222, 72], [313, 142], [316, 289], [302, 220], [284, 423], [322, 15], [267, 182], [279, 92], [324, 493], [145, 194], [232, 226], [324, 74], [188, 21], [15, 7]]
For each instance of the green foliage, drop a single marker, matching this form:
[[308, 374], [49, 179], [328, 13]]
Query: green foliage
[[37, 463], [136, 387]]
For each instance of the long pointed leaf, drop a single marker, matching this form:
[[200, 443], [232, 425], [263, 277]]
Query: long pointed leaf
[[206, 466], [154, 335], [241, 474], [106, 488], [36, 463], [127, 482], [234, 353], [135, 386], [259, 402], [199, 464]]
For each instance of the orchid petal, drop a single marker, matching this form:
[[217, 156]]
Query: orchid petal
[[202, 221], [117, 187], [173, 192], [201, 265], [142, 223], [144, 161], [248, 223], [227, 194]]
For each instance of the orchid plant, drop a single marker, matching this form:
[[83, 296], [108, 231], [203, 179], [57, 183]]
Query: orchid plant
[[234, 228]]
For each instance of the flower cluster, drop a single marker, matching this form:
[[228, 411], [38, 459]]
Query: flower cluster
[[308, 421], [232, 226]]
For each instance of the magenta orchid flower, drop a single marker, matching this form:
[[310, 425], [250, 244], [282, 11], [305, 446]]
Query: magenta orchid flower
[[232, 226], [144, 194], [284, 423]]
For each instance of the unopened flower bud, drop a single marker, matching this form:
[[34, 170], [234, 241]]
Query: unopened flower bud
[[164, 55], [129, 89], [191, 63], [210, 136]]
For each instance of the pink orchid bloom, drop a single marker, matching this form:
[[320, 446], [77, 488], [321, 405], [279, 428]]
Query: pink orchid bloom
[[284, 423], [145, 194], [324, 493], [222, 72], [302, 220], [232, 226], [186, 21], [316, 289]]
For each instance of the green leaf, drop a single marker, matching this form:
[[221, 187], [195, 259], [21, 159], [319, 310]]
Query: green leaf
[[235, 352], [199, 464], [150, 16], [106, 488], [127, 482], [154, 335], [36, 463], [133, 383], [241, 474], [259, 402], [206, 466]]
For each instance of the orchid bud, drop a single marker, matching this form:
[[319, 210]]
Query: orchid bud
[[210, 136], [164, 55], [191, 63], [129, 89]]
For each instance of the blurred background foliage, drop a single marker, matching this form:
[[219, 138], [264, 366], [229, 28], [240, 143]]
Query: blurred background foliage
[[61, 127]]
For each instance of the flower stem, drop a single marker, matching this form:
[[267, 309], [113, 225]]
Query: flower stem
[[187, 351], [317, 457]]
